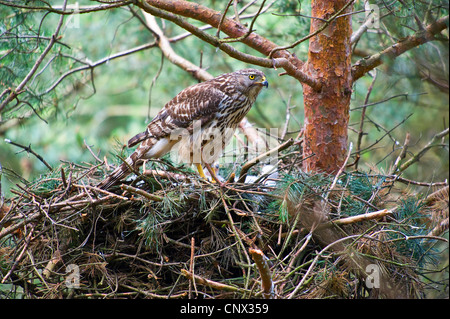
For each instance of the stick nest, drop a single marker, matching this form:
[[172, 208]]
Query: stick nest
[[168, 234]]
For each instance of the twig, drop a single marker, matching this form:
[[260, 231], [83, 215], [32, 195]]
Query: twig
[[61, 9], [165, 174], [402, 154], [20, 88], [212, 284], [358, 218], [29, 150], [153, 295], [393, 178], [137, 191], [264, 270], [300, 284], [336, 178], [223, 18], [19, 257], [385, 134], [250, 29], [256, 160], [91, 65], [417, 157], [191, 267], [323, 27], [92, 153], [361, 123]]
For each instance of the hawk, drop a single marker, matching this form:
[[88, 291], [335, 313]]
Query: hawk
[[205, 114]]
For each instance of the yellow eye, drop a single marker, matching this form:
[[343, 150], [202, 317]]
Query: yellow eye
[[251, 77]]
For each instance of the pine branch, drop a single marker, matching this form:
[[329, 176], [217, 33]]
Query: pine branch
[[170, 54], [174, 10], [365, 65], [14, 93]]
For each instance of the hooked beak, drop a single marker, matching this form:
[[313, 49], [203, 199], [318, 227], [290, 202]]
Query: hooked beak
[[264, 82]]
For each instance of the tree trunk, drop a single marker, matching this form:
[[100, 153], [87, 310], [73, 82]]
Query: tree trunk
[[327, 110]]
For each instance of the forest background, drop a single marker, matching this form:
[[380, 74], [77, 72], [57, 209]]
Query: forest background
[[102, 71], [111, 99]]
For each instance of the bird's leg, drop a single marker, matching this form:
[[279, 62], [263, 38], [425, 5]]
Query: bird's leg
[[143, 167], [200, 171]]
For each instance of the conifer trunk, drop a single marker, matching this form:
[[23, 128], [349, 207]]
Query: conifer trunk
[[327, 110]]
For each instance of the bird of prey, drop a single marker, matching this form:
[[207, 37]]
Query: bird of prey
[[205, 115]]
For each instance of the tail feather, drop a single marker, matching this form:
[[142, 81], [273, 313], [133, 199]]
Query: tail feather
[[123, 170], [134, 160]]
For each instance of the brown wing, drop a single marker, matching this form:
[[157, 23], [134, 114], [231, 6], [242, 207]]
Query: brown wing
[[197, 102]]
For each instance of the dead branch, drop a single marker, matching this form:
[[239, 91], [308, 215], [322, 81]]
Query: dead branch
[[256, 160], [361, 122], [402, 154], [137, 191], [212, 284], [360, 218], [264, 270], [172, 10], [363, 66], [170, 54], [422, 152], [29, 150]]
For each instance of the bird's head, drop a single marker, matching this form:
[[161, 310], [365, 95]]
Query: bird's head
[[251, 81]]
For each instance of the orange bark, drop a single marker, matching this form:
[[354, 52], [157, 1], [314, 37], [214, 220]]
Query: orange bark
[[233, 29], [327, 110]]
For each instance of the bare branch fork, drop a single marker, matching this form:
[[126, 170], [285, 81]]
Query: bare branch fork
[[29, 150], [365, 65], [429, 145]]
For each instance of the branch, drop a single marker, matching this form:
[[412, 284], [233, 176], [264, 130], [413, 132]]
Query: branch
[[173, 10], [89, 66], [359, 218], [137, 191], [170, 54], [70, 8], [29, 150], [365, 65], [210, 283], [417, 157], [264, 270], [402, 154], [13, 93], [319, 30], [257, 159]]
